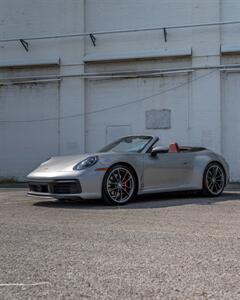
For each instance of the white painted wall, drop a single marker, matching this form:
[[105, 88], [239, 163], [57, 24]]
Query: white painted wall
[[231, 121], [171, 92], [26, 18], [25, 145], [114, 14], [197, 107]]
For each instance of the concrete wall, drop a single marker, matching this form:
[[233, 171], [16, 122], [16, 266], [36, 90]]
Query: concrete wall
[[197, 121], [205, 43], [26, 18]]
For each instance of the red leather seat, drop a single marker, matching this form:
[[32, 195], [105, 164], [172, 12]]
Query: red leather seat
[[173, 148]]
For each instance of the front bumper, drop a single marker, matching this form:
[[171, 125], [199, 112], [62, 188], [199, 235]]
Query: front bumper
[[55, 188], [85, 184]]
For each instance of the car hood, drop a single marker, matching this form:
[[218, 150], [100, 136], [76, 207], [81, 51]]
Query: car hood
[[62, 163], [66, 164]]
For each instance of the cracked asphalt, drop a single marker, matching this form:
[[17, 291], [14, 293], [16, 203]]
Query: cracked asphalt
[[157, 247]]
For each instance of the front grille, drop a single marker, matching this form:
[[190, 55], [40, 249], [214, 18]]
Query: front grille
[[71, 187], [56, 187], [39, 188]]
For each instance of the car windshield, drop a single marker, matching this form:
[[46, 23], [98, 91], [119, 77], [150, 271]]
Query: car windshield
[[128, 144]]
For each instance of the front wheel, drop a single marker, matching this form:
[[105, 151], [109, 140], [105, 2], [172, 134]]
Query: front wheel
[[119, 185], [214, 180]]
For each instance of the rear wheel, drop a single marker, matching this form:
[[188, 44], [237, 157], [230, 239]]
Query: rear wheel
[[119, 185], [214, 180]]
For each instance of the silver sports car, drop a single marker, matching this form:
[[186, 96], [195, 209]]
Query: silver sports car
[[129, 166]]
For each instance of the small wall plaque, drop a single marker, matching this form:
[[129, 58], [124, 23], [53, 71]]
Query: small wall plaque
[[158, 119]]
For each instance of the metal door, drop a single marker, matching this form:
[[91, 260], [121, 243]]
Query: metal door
[[167, 170]]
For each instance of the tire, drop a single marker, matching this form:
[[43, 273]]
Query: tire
[[119, 185], [214, 180]]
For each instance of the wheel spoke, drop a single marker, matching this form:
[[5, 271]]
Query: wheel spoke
[[119, 175], [120, 194], [128, 179], [117, 194], [125, 191], [210, 185], [115, 176], [124, 176], [114, 195], [113, 189], [210, 172]]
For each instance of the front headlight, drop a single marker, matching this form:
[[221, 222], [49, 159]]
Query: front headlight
[[86, 163]]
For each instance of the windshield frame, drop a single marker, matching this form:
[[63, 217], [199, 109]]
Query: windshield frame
[[152, 140]]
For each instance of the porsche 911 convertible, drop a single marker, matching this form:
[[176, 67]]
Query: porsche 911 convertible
[[130, 166]]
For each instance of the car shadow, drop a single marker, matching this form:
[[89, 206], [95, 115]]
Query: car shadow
[[144, 202]]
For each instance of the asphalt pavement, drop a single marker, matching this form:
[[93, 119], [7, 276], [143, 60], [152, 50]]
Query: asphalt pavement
[[170, 246]]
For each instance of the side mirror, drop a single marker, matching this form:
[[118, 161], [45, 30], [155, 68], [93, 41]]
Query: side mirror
[[158, 149]]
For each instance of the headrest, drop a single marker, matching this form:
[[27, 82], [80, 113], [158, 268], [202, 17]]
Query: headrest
[[173, 148]]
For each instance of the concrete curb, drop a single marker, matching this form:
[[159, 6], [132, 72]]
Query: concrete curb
[[14, 185], [233, 186]]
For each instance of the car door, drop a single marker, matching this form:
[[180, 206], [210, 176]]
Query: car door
[[167, 170]]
